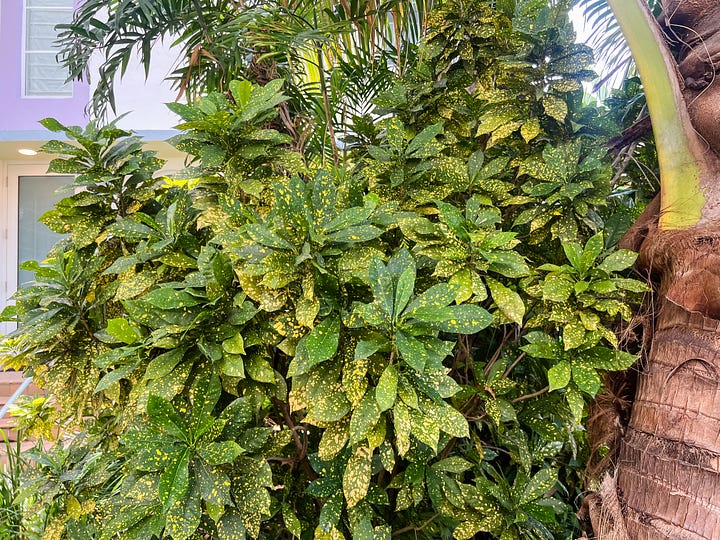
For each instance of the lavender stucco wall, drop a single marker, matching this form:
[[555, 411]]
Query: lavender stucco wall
[[18, 112]]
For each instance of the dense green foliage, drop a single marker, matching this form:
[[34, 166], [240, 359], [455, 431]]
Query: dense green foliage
[[400, 345]]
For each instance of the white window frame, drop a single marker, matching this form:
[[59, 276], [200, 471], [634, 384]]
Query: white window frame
[[9, 195], [23, 67]]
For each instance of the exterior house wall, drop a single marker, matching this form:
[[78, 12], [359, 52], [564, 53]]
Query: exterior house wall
[[19, 113]]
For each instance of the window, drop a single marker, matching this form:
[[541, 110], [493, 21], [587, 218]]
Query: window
[[44, 76]]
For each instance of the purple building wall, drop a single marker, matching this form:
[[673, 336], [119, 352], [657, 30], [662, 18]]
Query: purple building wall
[[18, 113]]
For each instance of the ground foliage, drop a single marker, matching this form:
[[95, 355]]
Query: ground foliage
[[398, 346]]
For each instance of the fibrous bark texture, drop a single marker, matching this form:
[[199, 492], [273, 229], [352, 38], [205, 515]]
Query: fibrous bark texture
[[669, 465]]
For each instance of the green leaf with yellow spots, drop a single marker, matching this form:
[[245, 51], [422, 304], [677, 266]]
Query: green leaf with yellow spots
[[174, 480], [334, 440], [356, 478], [507, 300], [364, 418], [559, 375], [386, 390], [167, 298], [322, 342]]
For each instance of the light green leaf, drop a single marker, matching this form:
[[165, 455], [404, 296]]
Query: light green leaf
[[123, 331], [619, 260], [322, 342], [386, 390], [507, 300], [559, 375]]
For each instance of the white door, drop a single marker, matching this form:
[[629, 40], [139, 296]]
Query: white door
[[29, 193]]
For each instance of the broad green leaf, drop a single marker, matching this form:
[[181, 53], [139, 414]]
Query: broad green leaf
[[404, 289], [356, 478], [403, 428], [439, 295], [575, 402], [219, 452], [573, 335], [592, 250], [234, 345], [462, 282], [412, 351], [122, 330], [333, 440], [167, 298], [559, 375], [463, 319], [541, 483], [174, 480], [557, 288], [586, 378], [619, 260], [292, 523], [161, 411], [364, 418], [386, 390], [183, 517], [322, 342], [507, 300]]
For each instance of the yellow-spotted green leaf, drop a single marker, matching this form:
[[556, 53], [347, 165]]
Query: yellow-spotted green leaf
[[183, 517], [592, 250], [403, 428], [619, 260], [356, 478], [557, 288], [540, 483], [555, 107], [174, 480], [322, 342], [387, 456], [463, 319], [507, 300], [439, 295], [162, 413], [231, 526], [451, 421], [357, 233], [234, 345], [122, 330], [453, 464], [306, 310], [334, 440], [404, 289], [576, 403], [232, 365], [425, 429], [462, 282], [259, 369], [326, 400], [530, 129], [292, 523], [386, 389], [166, 298], [586, 378], [412, 351], [164, 363], [364, 418], [559, 375], [573, 335], [219, 452], [204, 395]]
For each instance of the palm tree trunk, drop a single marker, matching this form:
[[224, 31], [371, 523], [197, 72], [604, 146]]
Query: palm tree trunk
[[668, 471], [669, 467]]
